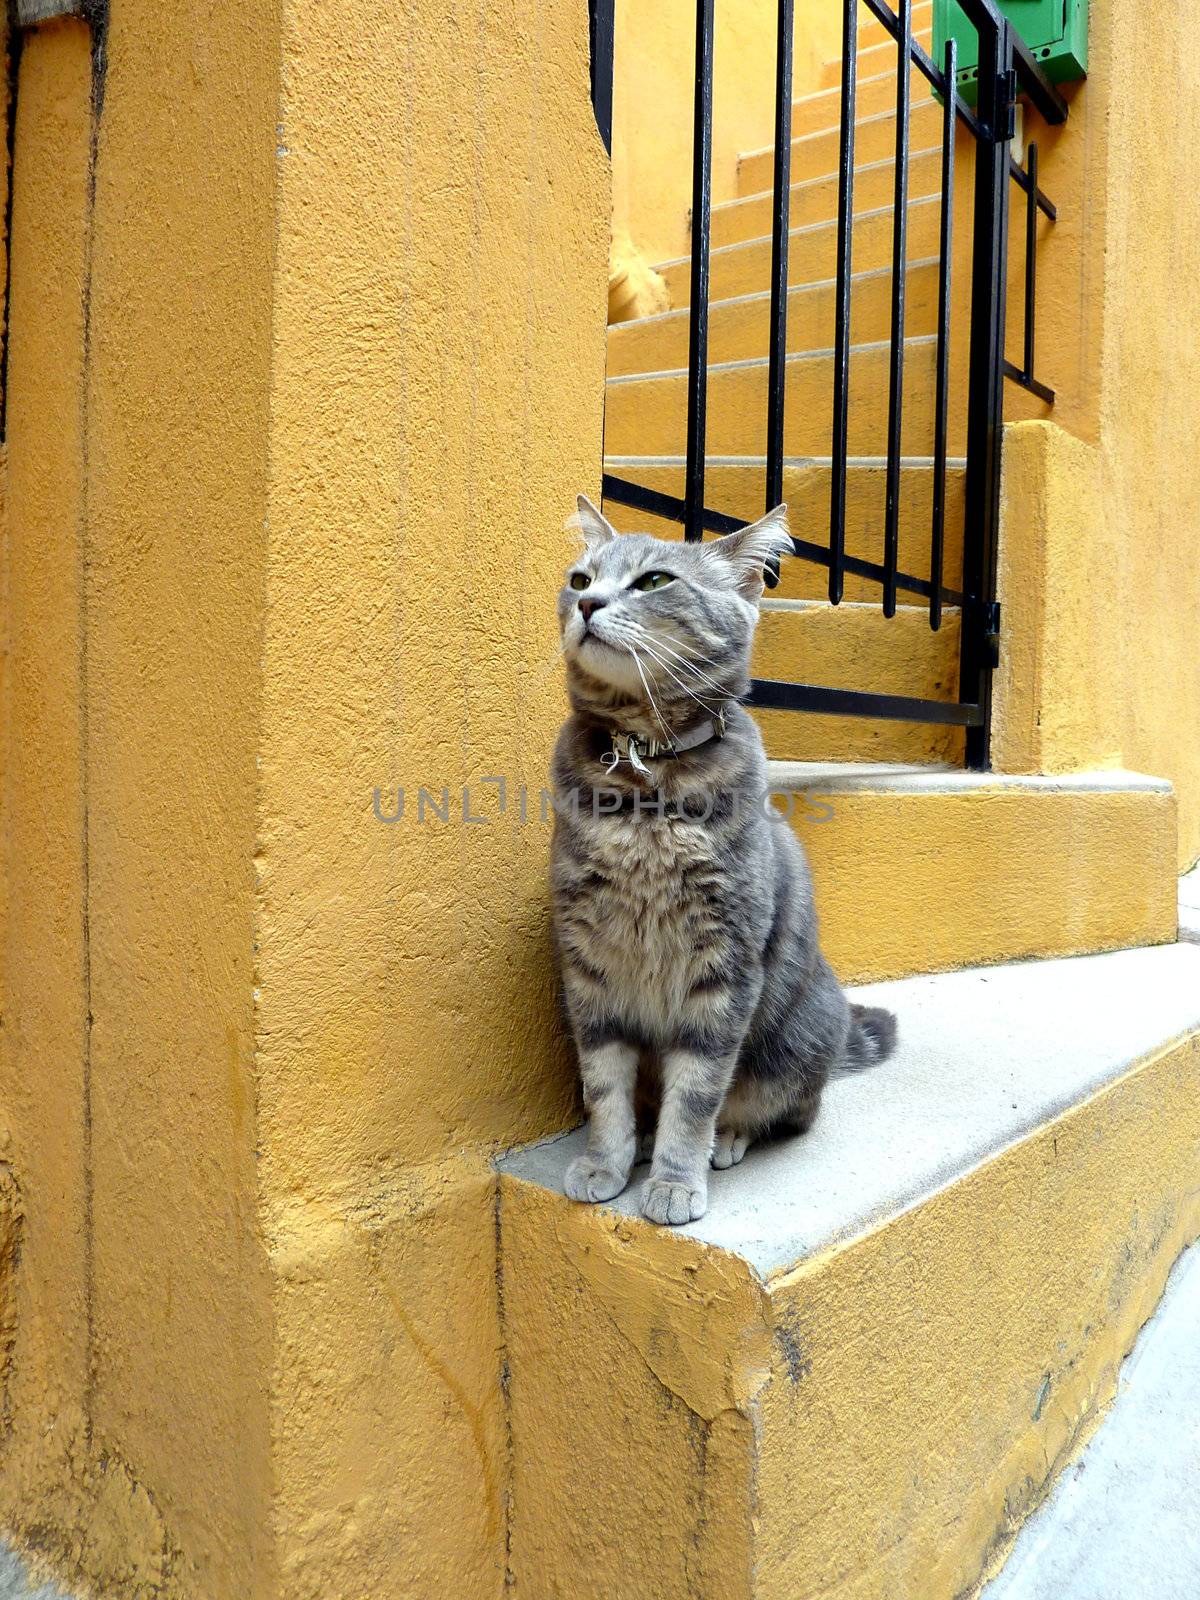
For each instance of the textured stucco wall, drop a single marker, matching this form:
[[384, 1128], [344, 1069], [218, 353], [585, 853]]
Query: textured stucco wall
[[43, 1041], [307, 370], [438, 363]]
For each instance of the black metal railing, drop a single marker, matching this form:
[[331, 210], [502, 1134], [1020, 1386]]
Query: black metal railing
[[1006, 69]]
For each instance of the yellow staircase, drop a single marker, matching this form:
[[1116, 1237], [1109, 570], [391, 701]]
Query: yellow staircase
[[858, 1373], [802, 638]]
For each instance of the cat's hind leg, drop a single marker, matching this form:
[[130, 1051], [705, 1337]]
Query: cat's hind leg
[[730, 1146], [609, 1073], [739, 1121]]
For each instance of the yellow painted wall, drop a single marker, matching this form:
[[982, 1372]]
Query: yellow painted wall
[[307, 368], [437, 398], [43, 1051]]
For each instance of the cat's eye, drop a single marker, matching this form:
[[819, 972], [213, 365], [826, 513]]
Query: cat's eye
[[653, 580], [580, 580]]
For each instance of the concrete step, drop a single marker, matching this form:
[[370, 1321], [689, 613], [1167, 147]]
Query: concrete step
[[646, 414], [962, 868], [874, 140], [745, 268], [1123, 1521], [816, 199], [876, 54], [857, 1371], [735, 485], [740, 327]]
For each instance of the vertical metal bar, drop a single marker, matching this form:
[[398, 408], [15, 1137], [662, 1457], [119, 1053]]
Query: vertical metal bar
[[985, 381], [891, 518], [1031, 167], [841, 342], [602, 32], [697, 385], [941, 399], [777, 375]]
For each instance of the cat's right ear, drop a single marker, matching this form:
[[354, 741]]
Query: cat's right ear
[[595, 527]]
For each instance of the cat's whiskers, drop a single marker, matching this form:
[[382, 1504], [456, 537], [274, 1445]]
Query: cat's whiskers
[[649, 695], [684, 664], [666, 667]]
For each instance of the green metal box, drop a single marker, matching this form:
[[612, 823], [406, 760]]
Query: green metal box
[[1055, 31]]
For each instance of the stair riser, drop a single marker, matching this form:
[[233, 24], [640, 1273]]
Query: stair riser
[[874, 140], [741, 328], [738, 490], [647, 416], [817, 112], [877, 54], [956, 880], [812, 254], [857, 647], [817, 201]]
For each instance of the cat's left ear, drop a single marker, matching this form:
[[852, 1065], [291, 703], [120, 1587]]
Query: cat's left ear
[[595, 527], [750, 548]]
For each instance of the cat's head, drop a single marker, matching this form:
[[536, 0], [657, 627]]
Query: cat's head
[[661, 620]]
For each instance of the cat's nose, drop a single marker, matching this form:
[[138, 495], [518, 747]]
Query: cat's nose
[[591, 603]]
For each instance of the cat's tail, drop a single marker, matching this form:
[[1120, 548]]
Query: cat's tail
[[872, 1037]]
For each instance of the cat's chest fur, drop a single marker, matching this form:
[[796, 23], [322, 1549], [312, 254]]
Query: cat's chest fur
[[654, 920]]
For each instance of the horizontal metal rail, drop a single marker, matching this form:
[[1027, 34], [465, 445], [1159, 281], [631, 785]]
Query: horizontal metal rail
[[671, 509], [768, 694]]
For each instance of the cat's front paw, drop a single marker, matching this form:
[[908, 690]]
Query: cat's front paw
[[590, 1180], [663, 1201]]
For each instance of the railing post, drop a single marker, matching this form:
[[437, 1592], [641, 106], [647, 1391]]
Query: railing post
[[989, 272], [697, 381]]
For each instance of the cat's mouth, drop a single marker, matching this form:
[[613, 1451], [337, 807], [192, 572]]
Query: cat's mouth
[[589, 636]]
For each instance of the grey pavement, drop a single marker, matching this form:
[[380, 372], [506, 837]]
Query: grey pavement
[[1123, 1523]]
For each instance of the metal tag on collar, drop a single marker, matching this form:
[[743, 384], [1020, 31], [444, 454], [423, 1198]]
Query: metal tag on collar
[[625, 747]]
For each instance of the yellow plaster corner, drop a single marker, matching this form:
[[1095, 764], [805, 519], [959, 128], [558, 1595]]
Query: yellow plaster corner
[[875, 1421]]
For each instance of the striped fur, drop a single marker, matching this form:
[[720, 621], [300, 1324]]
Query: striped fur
[[685, 931]]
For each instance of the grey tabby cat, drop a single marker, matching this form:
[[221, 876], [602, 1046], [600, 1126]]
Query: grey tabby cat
[[683, 909]]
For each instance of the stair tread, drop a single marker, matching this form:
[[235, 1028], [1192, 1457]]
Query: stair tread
[[986, 1056], [824, 177], [1125, 1518], [805, 228], [911, 341], [918, 103]]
